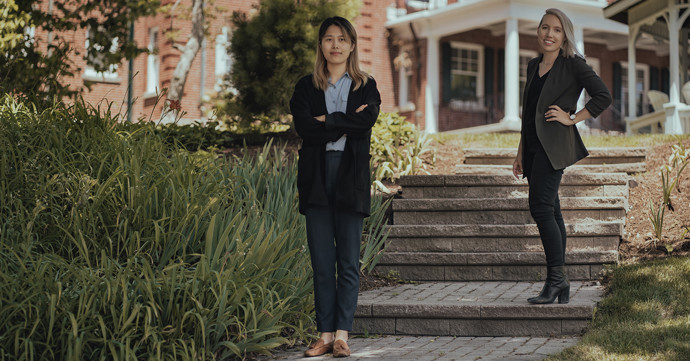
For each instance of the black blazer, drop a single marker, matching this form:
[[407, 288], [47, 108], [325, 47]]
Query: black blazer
[[567, 78], [353, 184]]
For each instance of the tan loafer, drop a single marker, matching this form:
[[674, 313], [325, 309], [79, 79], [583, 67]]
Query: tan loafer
[[319, 348], [341, 349]]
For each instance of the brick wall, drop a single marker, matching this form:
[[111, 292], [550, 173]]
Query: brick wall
[[374, 54]]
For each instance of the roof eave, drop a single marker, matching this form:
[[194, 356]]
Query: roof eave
[[618, 11]]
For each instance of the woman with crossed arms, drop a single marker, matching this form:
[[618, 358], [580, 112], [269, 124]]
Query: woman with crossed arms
[[333, 110]]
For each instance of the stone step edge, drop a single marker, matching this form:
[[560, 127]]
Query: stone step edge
[[594, 152], [470, 327], [629, 168], [486, 180], [502, 204], [508, 231], [574, 257], [475, 311]]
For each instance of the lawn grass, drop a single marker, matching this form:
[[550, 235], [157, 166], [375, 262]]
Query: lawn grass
[[511, 140], [645, 316]]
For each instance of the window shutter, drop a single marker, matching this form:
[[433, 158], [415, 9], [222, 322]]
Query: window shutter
[[617, 86], [665, 81], [488, 77], [653, 78], [445, 71], [501, 69]]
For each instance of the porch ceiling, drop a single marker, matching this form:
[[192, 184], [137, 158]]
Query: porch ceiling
[[491, 15], [648, 13]]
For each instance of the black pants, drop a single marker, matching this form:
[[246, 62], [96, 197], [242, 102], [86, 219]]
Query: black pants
[[544, 205], [334, 238]]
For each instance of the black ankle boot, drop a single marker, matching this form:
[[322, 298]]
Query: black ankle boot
[[556, 286]]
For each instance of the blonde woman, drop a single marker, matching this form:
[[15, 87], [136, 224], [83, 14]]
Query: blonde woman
[[549, 139], [333, 110]]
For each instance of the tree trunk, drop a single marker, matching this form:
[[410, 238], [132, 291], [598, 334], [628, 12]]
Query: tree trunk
[[196, 39]]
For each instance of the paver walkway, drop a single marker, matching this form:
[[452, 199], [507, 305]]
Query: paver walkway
[[408, 348]]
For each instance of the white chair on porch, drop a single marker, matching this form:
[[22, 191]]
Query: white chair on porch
[[651, 122], [657, 99]]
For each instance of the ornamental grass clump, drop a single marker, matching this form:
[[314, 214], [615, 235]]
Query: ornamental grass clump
[[118, 245]]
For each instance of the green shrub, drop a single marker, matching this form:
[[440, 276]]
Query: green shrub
[[197, 136], [398, 148], [119, 245]]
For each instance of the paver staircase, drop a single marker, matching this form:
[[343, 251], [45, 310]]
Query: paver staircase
[[470, 239]]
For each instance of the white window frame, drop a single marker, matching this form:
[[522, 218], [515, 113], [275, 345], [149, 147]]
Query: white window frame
[[224, 59], [152, 64], [528, 54], [595, 63], [103, 76], [641, 94], [479, 91], [405, 104]]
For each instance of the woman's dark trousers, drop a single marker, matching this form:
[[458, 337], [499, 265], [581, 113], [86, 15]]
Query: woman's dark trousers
[[334, 238], [545, 208]]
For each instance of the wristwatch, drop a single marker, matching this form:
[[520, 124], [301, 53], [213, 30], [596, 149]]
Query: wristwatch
[[572, 118]]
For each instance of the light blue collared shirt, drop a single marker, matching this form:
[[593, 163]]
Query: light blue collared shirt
[[336, 101]]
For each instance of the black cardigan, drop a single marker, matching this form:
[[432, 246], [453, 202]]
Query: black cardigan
[[567, 78], [353, 184]]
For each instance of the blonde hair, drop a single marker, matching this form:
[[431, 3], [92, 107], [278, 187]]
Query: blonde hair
[[320, 78], [568, 45]]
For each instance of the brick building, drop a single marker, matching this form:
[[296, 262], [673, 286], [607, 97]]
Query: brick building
[[444, 64], [212, 62]]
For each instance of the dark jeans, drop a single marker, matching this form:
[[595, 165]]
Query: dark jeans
[[334, 238], [544, 205]]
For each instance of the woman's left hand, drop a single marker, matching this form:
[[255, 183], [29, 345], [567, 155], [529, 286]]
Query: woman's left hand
[[556, 114]]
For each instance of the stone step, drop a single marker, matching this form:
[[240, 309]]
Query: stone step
[[473, 309], [489, 266], [629, 168], [505, 185], [595, 236], [501, 210], [596, 156]]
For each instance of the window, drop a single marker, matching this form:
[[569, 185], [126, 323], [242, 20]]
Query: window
[[223, 58], [594, 63], [152, 63], [641, 88], [98, 60], [525, 57], [466, 71], [405, 96]]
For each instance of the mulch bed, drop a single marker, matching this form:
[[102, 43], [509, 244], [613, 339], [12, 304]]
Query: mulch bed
[[639, 242]]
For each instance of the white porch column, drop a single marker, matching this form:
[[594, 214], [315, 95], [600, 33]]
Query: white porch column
[[633, 31], [512, 76], [580, 45], [432, 85], [673, 125]]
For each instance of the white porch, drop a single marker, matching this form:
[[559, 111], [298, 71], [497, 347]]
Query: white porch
[[502, 17], [667, 21]]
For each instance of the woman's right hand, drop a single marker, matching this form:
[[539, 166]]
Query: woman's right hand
[[517, 166]]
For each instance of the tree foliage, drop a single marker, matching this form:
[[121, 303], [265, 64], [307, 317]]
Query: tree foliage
[[39, 69], [272, 49]]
